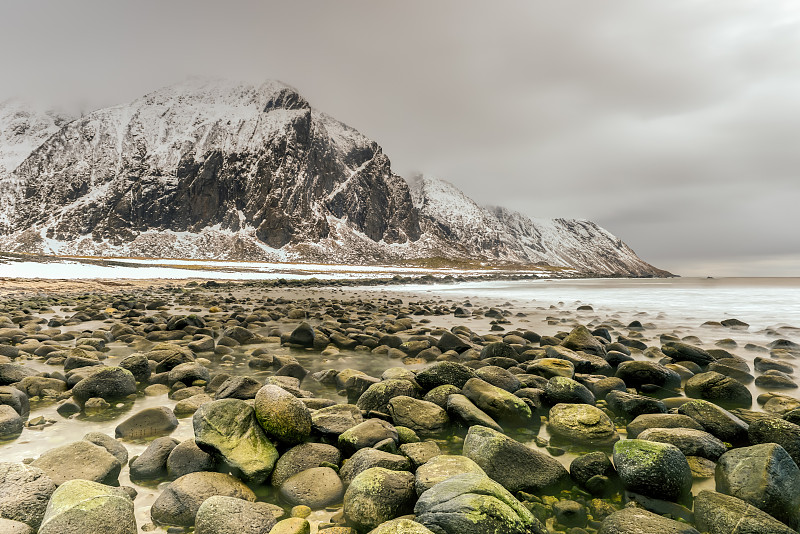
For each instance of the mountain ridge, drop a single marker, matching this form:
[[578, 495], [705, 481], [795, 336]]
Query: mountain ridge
[[215, 169]]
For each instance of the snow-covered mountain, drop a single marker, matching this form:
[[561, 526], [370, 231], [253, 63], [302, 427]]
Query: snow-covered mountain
[[215, 169]]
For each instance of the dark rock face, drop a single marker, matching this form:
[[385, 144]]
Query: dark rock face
[[219, 170]]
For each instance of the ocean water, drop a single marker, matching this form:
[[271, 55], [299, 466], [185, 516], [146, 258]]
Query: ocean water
[[760, 302]]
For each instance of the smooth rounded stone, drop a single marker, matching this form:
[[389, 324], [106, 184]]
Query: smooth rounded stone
[[440, 468], [138, 365], [152, 463], [780, 404], [158, 421], [9, 526], [367, 434], [378, 495], [660, 420], [630, 406], [229, 515], [657, 470], [229, 429], [638, 373], [24, 493], [450, 341], [634, 520], [690, 442], [603, 386], [439, 394], [11, 396], [570, 513], [765, 476], [462, 409], [717, 513], [11, 424], [582, 424], [589, 465], [498, 403], [561, 389], [39, 386], [155, 390], [79, 460], [187, 458], [303, 335], [497, 376], [282, 415], [717, 421], [367, 458], [775, 380], [424, 418], [584, 362], [377, 396], [11, 373], [187, 407], [82, 506], [474, 503], [733, 368], [398, 373], [188, 373], [550, 367], [179, 502], [512, 464], [701, 467], [292, 525], [763, 365], [110, 444], [779, 431], [316, 488], [420, 452], [581, 339], [302, 457], [498, 349], [720, 389], [108, 383], [398, 526], [444, 373], [680, 351], [335, 420]]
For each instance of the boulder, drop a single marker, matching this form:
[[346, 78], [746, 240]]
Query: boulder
[[11, 424], [378, 495], [639, 521], [660, 420], [463, 410], [228, 428], [764, 476], [152, 463], [179, 502], [377, 396], [561, 389], [690, 442], [440, 468], [581, 339], [512, 464], [335, 420], [367, 434], [717, 513], [476, 504], [424, 418], [784, 433], [657, 470], [24, 493], [719, 389], [113, 446], [81, 506], [147, 423], [498, 403], [316, 488], [187, 458], [282, 415], [79, 460], [582, 424], [108, 383], [302, 457], [400, 526], [630, 406], [367, 458], [638, 373], [444, 373], [717, 421], [229, 515]]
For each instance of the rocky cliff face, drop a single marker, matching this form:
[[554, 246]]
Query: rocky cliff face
[[213, 169]]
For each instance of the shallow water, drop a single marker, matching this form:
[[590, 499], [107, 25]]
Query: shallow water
[[677, 306]]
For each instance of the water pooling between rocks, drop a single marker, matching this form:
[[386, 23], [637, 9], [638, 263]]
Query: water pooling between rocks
[[375, 339]]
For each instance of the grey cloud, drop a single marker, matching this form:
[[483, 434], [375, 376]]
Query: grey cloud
[[672, 123]]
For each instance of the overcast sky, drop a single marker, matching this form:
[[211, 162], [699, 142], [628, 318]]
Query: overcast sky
[[674, 124]]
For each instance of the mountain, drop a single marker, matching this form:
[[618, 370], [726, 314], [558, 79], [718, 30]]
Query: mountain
[[511, 236], [220, 170]]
